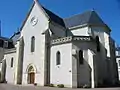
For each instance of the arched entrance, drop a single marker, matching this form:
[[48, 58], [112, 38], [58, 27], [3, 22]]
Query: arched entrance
[[31, 75]]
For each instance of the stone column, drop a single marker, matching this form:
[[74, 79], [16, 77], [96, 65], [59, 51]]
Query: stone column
[[74, 69], [47, 59], [3, 71], [16, 62], [91, 63], [19, 61]]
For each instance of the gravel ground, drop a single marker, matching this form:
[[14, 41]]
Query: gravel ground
[[16, 87]]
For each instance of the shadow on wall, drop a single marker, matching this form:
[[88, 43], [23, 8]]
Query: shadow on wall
[[104, 66], [20, 62], [101, 64], [83, 73]]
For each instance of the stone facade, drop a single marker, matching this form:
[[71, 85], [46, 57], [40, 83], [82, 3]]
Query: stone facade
[[47, 51]]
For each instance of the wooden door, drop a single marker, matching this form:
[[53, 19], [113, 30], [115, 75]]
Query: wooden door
[[32, 78]]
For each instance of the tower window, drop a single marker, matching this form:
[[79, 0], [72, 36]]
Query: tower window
[[81, 61], [98, 44], [5, 44], [12, 62]]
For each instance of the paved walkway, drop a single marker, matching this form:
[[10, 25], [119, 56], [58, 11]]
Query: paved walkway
[[16, 87]]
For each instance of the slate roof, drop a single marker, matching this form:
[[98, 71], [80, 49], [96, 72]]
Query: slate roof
[[5, 39], [54, 17], [86, 18], [89, 17], [2, 43], [15, 37]]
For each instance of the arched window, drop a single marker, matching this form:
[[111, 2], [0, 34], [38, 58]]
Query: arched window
[[32, 44], [31, 69], [81, 60], [12, 62], [98, 44], [58, 58], [119, 63]]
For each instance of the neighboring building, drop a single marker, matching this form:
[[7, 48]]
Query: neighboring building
[[5, 43], [75, 51], [118, 59]]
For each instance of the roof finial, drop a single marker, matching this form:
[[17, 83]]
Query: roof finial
[[93, 9], [35, 0]]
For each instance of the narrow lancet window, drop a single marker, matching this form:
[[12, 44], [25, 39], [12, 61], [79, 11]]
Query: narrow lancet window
[[33, 44], [12, 62], [98, 44], [58, 58], [81, 60]]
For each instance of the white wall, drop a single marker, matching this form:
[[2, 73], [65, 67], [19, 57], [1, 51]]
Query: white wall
[[10, 71], [61, 74], [36, 58], [80, 31]]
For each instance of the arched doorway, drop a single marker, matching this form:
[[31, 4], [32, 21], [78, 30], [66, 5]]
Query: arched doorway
[[31, 75]]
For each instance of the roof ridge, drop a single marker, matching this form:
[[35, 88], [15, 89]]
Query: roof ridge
[[41, 7], [90, 16], [54, 17], [98, 17], [46, 8], [78, 14]]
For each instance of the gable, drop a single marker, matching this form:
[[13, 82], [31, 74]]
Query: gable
[[35, 11], [49, 15]]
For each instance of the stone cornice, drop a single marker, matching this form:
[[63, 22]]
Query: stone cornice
[[70, 39], [7, 51]]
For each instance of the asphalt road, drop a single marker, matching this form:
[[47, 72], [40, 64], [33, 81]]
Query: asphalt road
[[16, 87]]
